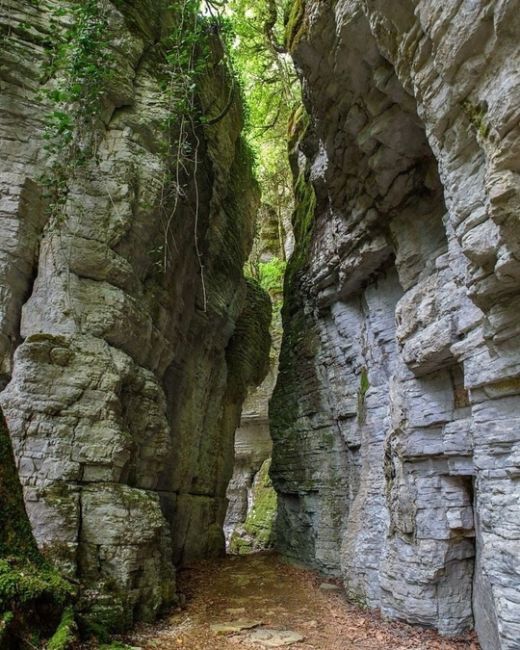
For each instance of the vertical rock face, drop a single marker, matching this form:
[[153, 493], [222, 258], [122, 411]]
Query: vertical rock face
[[395, 418], [123, 308], [253, 449], [249, 523]]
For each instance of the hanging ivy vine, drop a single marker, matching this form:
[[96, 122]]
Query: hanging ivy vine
[[77, 71]]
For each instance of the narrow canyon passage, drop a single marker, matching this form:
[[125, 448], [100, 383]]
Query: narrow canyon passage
[[261, 601], [259, 294]]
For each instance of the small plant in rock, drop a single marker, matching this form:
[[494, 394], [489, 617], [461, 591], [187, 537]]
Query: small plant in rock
[[187, 53]]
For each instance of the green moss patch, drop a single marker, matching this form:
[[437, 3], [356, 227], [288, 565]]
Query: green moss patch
[[299, 340], [258, 529], [476, 114], [304, 195], [296, 24], [16, 538], [66, 634], [23, 583], [271, 275], [260, 519], [5, 621]]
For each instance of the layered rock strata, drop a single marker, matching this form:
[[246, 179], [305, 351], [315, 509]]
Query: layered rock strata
[[249, 523], [395, 417], [246, 528], [124, 310]]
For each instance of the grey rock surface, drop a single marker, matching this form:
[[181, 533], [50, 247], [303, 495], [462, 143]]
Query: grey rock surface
[[248, 529], [275, 638], [121, 290], [253, 447], [395, 417]]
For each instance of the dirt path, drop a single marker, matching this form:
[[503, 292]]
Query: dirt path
[[264, 592]]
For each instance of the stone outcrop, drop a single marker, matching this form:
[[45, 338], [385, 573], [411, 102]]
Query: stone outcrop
[[249, 523], [244, 531], [34, 598], [395, 417], [123, 311]]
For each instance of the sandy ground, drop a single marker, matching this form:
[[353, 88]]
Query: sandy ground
[[265, 592]]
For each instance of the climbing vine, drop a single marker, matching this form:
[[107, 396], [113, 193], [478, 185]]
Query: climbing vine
[[77, 71], [186, 53]]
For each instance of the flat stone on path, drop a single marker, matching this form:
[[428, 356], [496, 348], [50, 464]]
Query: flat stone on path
[[274, 638], [233, 611], [330, 587], [234, 626]]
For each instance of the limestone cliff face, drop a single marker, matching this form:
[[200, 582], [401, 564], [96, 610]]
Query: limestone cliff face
[[253, 448], [395, 418], [125, 226]]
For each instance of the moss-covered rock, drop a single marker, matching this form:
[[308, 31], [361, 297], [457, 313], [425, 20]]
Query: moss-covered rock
[[295, 24], [304, 195], [257, 533], [16, 536], [260, 519], [66, 634], [23, 583], [298, 343], [5, 621], [271, 276], [102, 614], [32, 594]]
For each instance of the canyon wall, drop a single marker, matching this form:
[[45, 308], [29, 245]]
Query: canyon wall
[[249, 523], [128, 333], [396, 414], [252, 501]]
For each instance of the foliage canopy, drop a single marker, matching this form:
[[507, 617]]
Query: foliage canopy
[[254, 33]]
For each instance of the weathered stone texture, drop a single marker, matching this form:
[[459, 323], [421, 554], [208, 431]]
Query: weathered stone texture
[[119, 307], [395, 418], [253, 448]]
